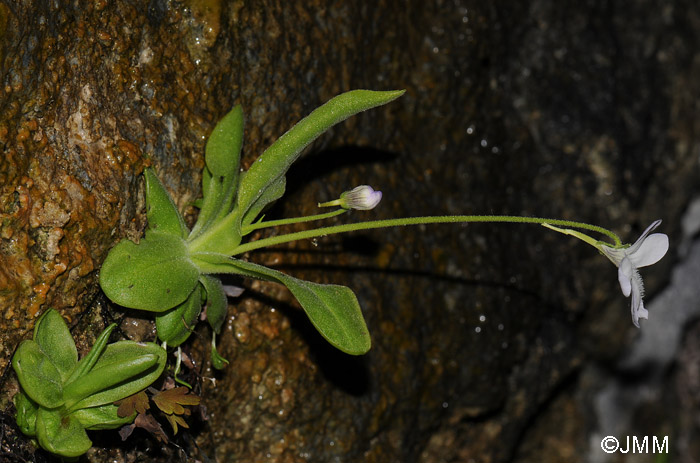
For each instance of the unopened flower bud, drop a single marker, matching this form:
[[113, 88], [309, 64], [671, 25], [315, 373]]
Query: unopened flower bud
[[361, 198]]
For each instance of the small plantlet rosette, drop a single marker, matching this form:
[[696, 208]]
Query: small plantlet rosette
[[62, 397]]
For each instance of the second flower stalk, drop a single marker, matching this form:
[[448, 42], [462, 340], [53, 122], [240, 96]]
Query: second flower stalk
[[647, 250]]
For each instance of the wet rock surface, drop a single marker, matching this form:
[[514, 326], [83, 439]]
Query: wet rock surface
[[583, 111]]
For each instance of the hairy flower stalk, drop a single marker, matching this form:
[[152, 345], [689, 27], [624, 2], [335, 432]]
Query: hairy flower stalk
[[406, 221], [647, 250]]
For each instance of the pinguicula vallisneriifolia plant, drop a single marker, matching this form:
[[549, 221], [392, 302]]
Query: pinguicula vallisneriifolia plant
[[62, 397], [170, 271]]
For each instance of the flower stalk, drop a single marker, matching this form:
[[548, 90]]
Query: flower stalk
[[407, 221], [278, 223]]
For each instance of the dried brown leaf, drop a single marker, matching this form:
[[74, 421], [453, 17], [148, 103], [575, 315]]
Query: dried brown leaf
[[126, 431], [187, 361], [134, 403], [147, 422], [174, 420], [171, 401]]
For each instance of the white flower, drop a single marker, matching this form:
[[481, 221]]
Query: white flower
[[647, 250], [361, 198]]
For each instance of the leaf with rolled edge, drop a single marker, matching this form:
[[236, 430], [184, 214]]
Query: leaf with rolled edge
[[215, 189], [217, 360], [217, 302], [125, 368], [277, 159], [161, 211], [176, 325], [52, 335], [206, 178], [271, 194], [62, 435], [220, 177], [103, 417], [332, 309], [87, 362], [38, 376], [83, 390], [154, 275], [223, 151], [26, 414]]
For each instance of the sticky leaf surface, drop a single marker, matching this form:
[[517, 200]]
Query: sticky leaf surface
[[154, 275]]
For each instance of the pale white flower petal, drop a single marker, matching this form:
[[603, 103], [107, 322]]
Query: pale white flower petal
[[651, 250], [637, 308], [624, 276], [633, 249], [233, 291]]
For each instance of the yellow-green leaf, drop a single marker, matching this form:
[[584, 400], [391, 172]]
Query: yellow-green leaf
[[176, 325], [39, 377], [154, 275], [62, 435], [161, 211]]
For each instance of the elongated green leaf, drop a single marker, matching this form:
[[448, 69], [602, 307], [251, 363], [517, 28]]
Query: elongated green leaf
[[104, 417], [223, 150], [332, 309], [271, 194], [206, 178], [107, 377], [217, 189], [217, 302], [154, 275], [52, 335], [220, 177], [125, 368], [87, 362], [277, 159], [62, 435], [161, 211], [176, 325], [40, 379], [26, 414]]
